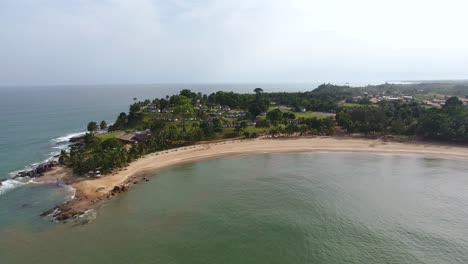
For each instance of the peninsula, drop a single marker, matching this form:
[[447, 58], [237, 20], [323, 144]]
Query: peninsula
[[189, 126]]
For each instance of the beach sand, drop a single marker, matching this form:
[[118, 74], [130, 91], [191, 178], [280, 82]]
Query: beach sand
[[90, 191]]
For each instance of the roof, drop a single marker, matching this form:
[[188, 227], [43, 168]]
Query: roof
[[126, 137], [140, 136]]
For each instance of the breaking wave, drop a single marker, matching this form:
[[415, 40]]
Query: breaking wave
[[9, 185], [66, 138], [58, 144]]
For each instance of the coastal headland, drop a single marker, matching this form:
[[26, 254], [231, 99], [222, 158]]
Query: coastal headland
[[90, 192]]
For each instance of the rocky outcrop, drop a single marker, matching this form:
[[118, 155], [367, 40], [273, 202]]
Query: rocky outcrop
[[76, 139], [119, 189], [38, 171], [62, 213]]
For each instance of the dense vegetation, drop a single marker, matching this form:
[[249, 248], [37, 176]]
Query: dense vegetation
[[184, 119], [189, 117], [450, 123]]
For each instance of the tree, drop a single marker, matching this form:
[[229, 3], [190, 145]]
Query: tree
[[120, 123], [103, 125], [255, 109], [64, 158], [183, 108], [274, 115], [92, 126], [259, 105], [453, 105]]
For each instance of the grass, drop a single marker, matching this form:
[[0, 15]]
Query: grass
[[108, 135], [308, 115], [353, 105], [428, 106]]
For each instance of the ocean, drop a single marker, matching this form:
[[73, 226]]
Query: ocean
[[269, 208], [320, 207], [37, 122]]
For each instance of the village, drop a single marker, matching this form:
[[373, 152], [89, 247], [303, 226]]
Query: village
[[428, 100]]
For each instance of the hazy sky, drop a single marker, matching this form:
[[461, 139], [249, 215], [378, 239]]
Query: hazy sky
[[154, 41]]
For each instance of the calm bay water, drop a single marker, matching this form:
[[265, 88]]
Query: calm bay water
[[271, 208]]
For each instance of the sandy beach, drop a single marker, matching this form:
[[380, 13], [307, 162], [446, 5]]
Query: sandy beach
[[90, 191]]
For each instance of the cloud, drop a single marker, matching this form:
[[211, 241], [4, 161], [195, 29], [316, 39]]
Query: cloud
[[148, 41]]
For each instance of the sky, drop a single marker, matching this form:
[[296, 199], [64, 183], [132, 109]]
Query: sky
[[50, 42]]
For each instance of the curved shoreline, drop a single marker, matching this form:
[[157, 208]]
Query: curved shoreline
[[90, 191]]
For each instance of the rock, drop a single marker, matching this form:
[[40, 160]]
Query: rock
[[119, 189], [48, 212], [38, 171], [63, 217], [146, 179], [76, 139]]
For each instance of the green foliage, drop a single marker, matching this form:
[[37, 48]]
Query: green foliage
[[96, 155], [263, 123], [92, 126], [259, 104], [104, 152], [448, 123], [121, 122], [103, 125], [183, 108], [275, 115]]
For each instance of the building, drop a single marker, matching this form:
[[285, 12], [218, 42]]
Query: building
[[130, 138], [152, 109]]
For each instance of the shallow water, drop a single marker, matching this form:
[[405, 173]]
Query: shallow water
[[271, 208]]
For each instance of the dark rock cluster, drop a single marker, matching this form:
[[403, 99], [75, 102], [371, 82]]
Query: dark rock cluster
[[38, 171], [62, 212], [119, 189]]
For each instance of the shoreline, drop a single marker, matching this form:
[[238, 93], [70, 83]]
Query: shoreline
[[90, 192]]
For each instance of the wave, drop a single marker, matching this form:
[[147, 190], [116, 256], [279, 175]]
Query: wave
[[9, 185], [58, 144], [66, 138]]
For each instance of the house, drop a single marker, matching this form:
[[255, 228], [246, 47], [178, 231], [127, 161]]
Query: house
[[126, 138], [226, 108], [129, 138], [141, 135], [390, 98], [228, 124], [152, 109]]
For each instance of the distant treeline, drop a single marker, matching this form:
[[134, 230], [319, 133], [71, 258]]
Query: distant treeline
[[395, 117]]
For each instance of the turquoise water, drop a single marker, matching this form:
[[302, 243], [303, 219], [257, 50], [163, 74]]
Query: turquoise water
[[32, 117], [36, 123], [271, 208]]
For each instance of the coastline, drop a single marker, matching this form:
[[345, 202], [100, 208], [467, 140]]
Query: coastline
[[91, 191]]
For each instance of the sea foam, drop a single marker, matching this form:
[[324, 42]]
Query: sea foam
[[59, 143], [8, 185], [66, 138]]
